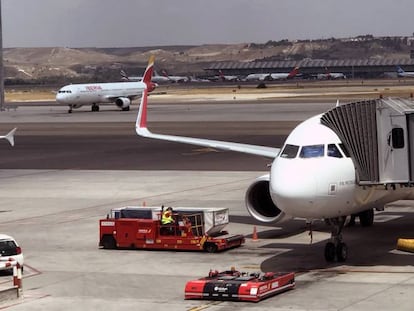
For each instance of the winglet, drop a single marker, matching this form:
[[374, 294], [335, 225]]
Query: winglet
[[148, 74], [10, 136], [141, 123]]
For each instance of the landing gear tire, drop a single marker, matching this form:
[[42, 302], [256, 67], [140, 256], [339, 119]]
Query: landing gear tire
[[330, 251], [95, 107], [341, 252], [70, 109], [366, 218], [336, 250], [125, 109]]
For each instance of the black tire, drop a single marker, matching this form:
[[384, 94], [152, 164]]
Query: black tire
[[125, 109], [341, 252], [108, 242], [366, 218], [330, 252], [210, 247]]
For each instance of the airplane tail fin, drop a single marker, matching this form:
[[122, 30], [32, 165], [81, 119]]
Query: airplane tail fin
[[294, 72], [124, 76], [148, 74], [10, 136], [400, 70]]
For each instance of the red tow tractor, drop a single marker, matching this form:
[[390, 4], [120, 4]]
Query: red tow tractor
[[239, 286], [194, 229]]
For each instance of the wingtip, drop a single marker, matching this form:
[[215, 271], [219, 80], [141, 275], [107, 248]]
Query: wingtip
[[10, 136]]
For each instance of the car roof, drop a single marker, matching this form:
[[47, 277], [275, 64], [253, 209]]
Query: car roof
[[5, 237]]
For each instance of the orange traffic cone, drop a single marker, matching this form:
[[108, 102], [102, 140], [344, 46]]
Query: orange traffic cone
[[255, 237]]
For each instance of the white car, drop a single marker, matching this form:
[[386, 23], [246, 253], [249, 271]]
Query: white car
[[9, 250]]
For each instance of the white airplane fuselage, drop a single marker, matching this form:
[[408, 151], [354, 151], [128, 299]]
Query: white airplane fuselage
[[322, 184], [82, 94]]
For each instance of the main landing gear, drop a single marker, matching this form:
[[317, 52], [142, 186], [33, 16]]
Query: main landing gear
[[336, 249], [95, 107]]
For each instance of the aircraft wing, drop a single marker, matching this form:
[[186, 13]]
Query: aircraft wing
[[142, 130]]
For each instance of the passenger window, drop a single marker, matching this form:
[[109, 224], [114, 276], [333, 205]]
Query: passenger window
[[289, 152], [333, 151], [312, 151]]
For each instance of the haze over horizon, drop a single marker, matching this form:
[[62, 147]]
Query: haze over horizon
[[128, 23]]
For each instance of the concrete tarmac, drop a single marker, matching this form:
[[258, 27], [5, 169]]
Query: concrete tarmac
[[52, 206]]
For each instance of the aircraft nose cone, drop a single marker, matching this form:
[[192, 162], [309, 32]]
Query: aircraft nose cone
[[293, 187], [61, 98]]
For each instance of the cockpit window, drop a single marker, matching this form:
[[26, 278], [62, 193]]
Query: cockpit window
[[289, 152], [333, 151], [344, 150], [312, 151], [65, 91]]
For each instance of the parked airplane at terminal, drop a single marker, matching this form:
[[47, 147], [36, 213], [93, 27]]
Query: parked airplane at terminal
[[9, 136], [120, 93], [404, 74], [175, 79], [330, 75], [156, 78], [272, 76], [312, 177]]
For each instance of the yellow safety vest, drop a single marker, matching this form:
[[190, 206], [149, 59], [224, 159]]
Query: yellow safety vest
[[167, 218]]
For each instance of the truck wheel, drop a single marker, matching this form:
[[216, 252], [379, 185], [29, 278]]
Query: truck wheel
[[210, 247], [108, 242]]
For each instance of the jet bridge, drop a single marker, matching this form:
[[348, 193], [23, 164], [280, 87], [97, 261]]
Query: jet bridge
[[379, 136]]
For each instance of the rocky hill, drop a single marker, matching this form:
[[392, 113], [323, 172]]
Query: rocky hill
[[57, 65]]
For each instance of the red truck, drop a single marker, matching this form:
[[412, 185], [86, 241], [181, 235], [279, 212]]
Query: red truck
[[197, 229]]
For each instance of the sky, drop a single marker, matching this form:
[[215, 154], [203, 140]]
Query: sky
[[134, 23]]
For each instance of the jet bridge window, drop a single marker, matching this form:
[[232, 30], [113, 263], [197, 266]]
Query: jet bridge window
[[289, 152], [397, 137], [333, 151], [313, 151]]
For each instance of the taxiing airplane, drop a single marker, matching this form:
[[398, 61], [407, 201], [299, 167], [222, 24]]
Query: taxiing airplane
[[404, 74], [10, 136], [120, 93], [311, 177], [272, 76]]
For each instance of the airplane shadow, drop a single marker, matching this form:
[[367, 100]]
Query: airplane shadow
[[367, 246]]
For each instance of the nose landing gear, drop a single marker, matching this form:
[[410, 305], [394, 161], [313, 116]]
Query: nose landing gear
[[336, 249]]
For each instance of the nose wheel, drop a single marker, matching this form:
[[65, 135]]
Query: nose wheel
[[336, 249]]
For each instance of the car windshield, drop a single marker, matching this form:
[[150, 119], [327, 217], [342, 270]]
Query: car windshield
[[8, 248], [312, 151]]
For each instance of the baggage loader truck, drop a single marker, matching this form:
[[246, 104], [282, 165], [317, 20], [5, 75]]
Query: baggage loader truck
[[194, 229]]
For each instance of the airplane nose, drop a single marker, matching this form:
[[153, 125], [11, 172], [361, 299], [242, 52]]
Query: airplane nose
[[61, 98], [293, 186]]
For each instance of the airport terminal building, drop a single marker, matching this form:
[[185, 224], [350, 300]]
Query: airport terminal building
[[352, 68]]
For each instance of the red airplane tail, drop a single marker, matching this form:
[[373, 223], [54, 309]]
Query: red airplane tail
[[148, 74], [294, 72]]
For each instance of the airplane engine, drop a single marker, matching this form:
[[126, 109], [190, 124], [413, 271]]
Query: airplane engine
[[76, 106], [123, 102], [259, 202]]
